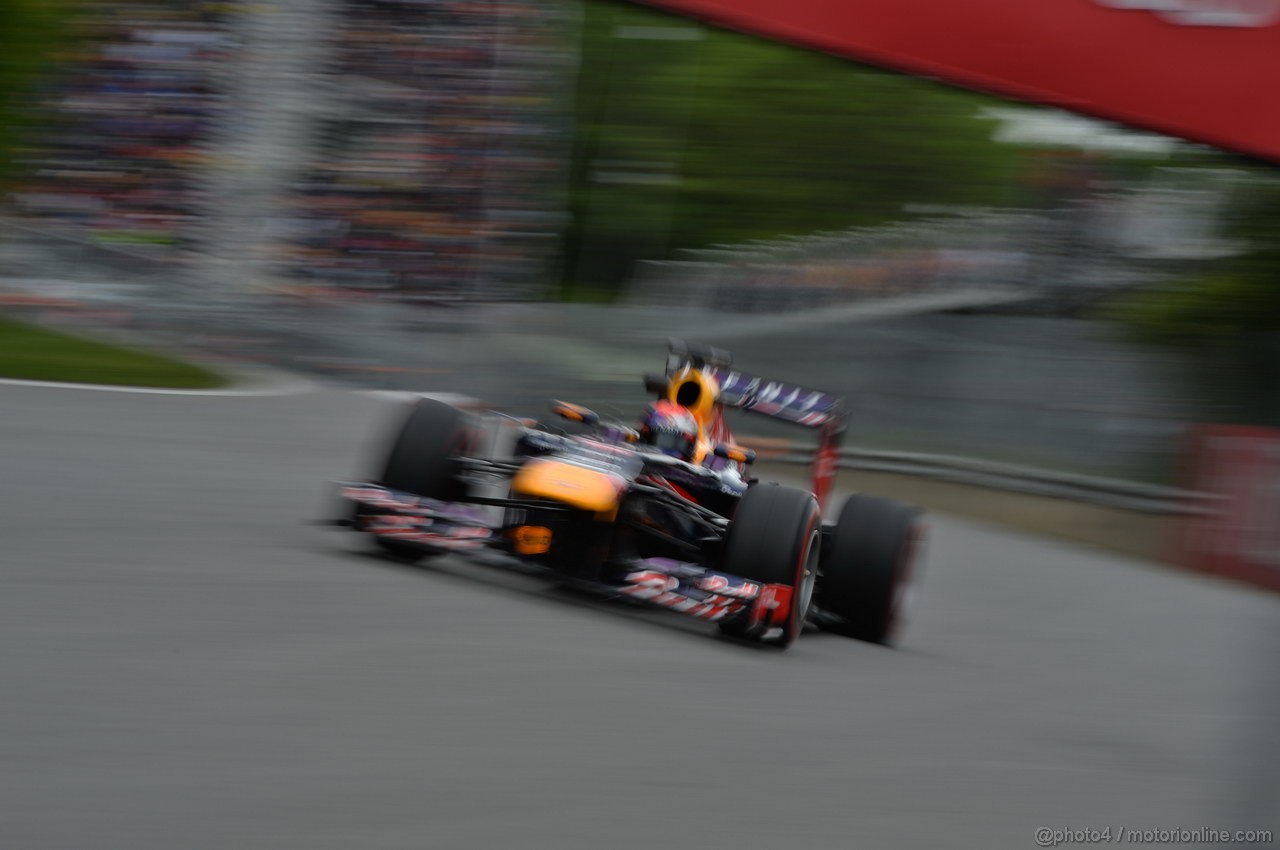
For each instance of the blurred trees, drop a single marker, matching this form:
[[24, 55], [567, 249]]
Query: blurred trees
[[30, 31], [1228, 317], [689, 136], [1241, 295]]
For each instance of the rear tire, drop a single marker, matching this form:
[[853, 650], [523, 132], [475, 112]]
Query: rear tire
[[775, 539], [421, 461], [867, 569]]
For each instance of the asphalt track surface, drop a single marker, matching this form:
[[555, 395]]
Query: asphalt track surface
[[186, 664]]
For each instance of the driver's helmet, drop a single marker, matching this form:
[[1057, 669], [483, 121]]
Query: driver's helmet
[[671, 429]]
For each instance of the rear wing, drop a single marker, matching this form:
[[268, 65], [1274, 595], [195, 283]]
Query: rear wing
[[786, 402]]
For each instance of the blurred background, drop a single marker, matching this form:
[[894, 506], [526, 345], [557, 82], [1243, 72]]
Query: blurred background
[[1038, 319], [336, 184]]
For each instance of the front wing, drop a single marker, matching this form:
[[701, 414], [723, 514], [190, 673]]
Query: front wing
[[685, 587]]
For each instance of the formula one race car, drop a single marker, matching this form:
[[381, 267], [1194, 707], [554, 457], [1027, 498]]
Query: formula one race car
[[665, 514]]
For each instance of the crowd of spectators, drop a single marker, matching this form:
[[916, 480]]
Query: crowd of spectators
[[127, 115], [437, 174], [434, 168]]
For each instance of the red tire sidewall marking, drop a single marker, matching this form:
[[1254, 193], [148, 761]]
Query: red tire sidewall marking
[[794, 625]]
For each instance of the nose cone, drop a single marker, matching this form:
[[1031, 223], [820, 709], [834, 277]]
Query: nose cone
[[572, 485]]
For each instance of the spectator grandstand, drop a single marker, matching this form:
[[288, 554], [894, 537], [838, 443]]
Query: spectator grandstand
[[411, 149]]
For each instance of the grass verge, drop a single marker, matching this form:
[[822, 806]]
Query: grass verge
[[35, 354]]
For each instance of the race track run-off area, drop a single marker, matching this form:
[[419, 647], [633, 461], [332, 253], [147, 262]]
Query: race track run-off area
[[187, 664]]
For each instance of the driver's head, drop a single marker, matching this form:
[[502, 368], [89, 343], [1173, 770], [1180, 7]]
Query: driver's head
[[671, 429]]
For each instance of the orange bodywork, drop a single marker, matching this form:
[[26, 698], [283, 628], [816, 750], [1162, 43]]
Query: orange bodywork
[[571, 485]]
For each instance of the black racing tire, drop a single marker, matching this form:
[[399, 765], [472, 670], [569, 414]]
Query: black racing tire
[[421, 458], [775, 538], [421, 461], [867, 569]]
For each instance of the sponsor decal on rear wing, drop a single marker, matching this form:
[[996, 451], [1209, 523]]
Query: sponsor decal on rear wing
[[788, 402], [797, 405]]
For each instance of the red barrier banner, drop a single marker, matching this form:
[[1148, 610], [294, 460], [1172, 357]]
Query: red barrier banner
[[1240, 538], [1197, 69]]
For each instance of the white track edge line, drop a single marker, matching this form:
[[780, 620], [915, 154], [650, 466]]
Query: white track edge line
[[291, 388]]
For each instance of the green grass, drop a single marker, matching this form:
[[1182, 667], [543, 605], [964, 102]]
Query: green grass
[[587, 294], [36, 354]]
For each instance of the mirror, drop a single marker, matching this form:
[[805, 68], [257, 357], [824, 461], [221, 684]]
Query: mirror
[[737, 454], [575, 412]]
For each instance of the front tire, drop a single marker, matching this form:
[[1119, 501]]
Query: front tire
[[421, 460], [867, 569], [775, 539]]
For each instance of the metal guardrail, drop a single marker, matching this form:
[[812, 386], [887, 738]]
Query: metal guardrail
[[1104, 492]]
